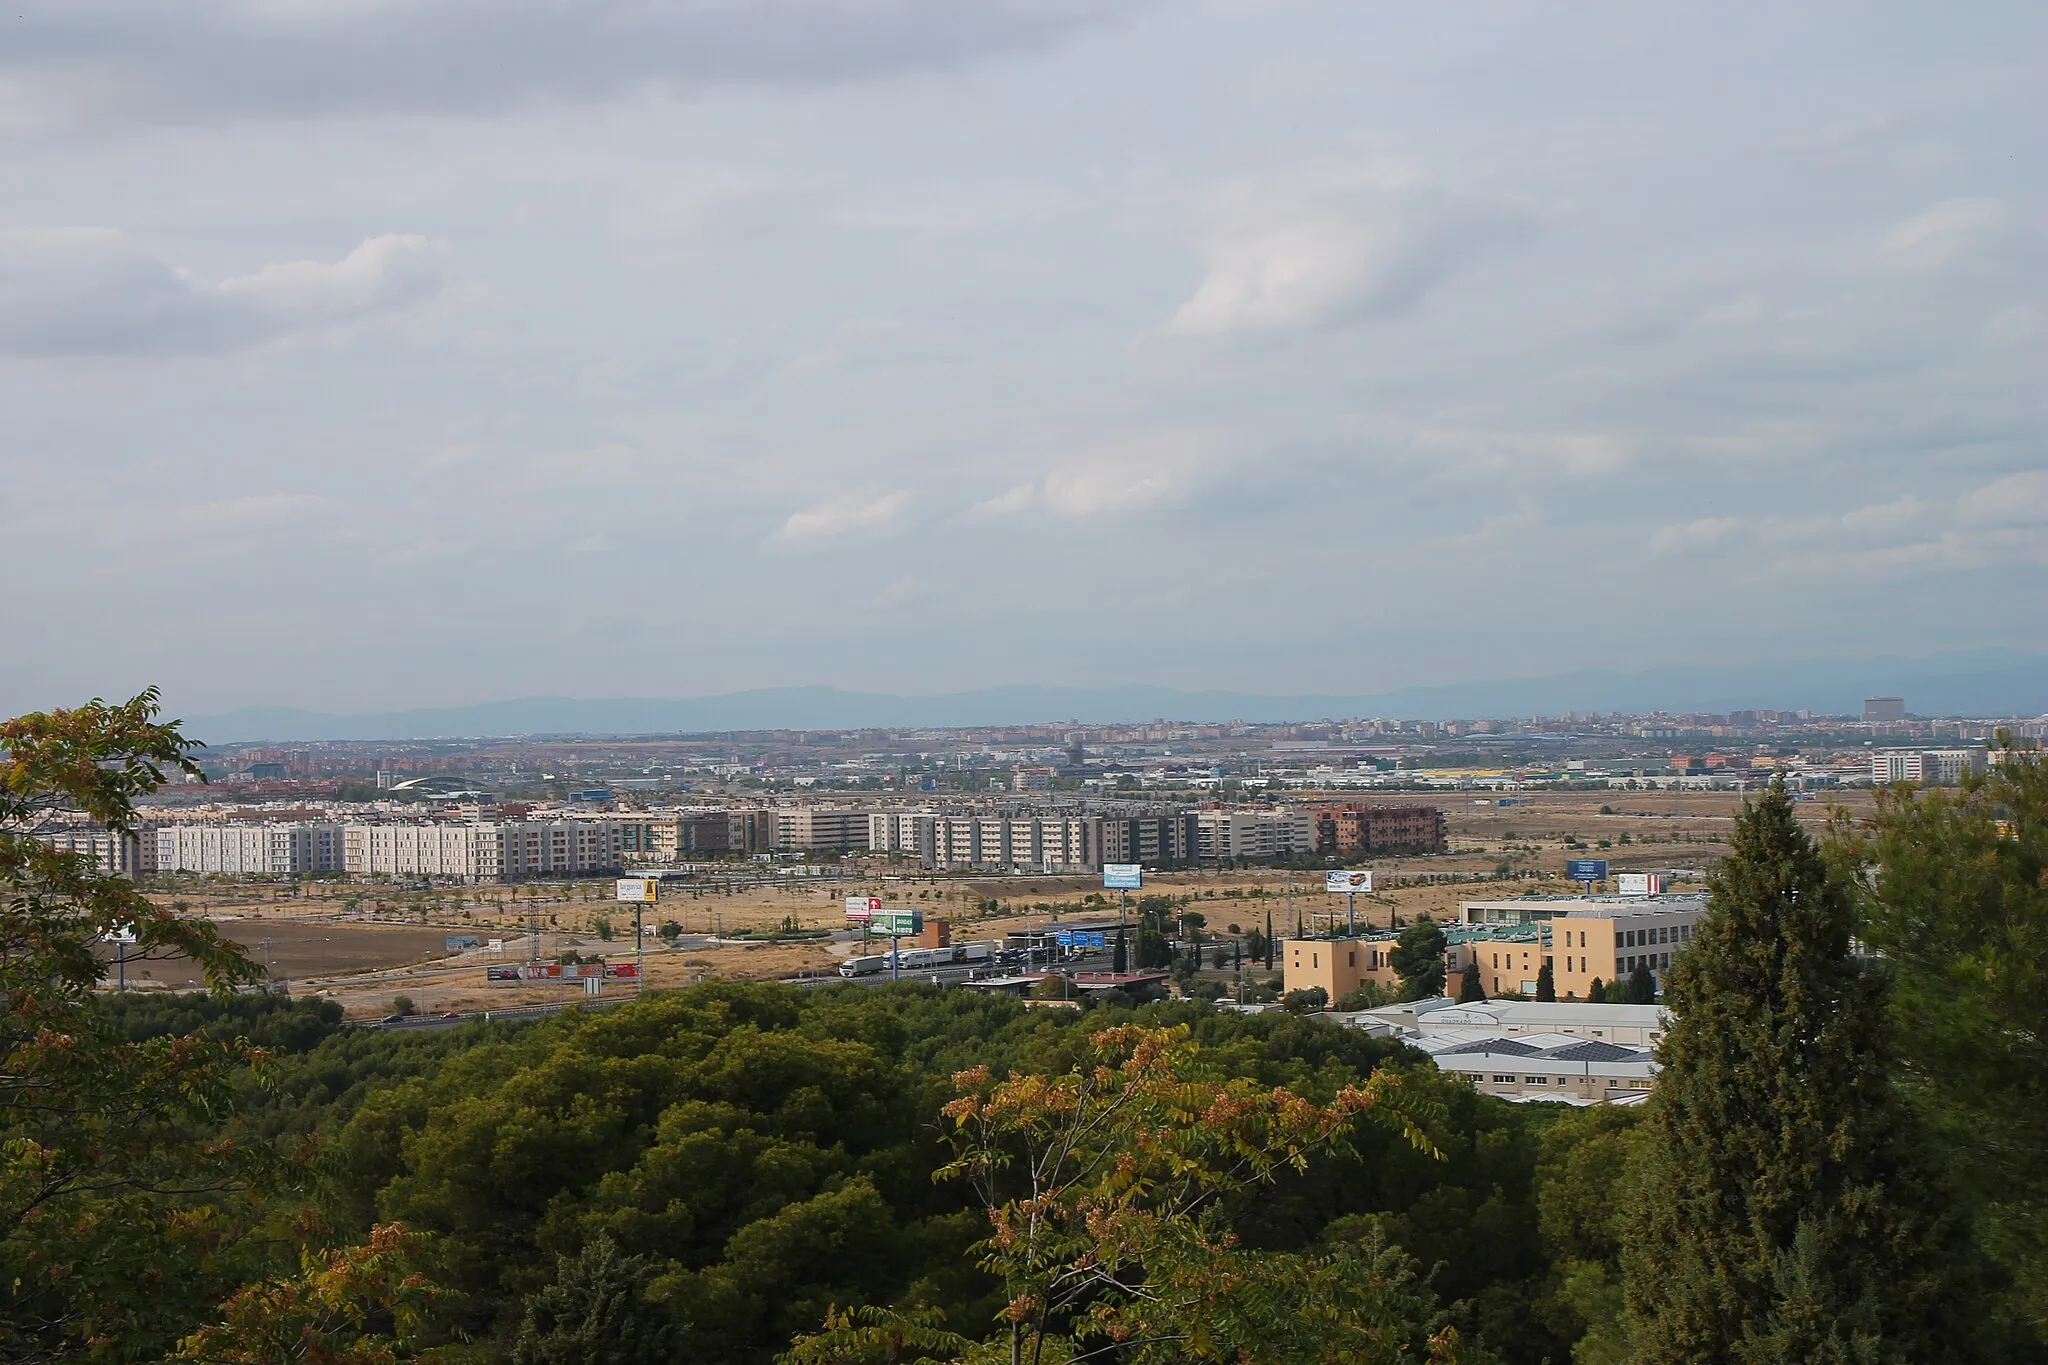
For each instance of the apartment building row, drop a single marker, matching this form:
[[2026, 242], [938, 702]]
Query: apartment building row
[[477, 851], [1036, 842], [1928, 767], [1581, 939]]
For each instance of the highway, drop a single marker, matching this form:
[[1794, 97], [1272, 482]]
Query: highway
[[953, 974]]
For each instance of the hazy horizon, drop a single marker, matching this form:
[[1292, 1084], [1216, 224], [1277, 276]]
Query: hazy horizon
[[366, 357]]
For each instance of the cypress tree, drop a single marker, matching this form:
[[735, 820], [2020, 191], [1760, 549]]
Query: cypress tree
[[1470, 989], [1119, 961], [1642, 986], [595, 1313], [1597, 992], [1788, 1209], [1546, 983]]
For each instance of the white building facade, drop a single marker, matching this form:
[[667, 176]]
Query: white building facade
[[248, 849]]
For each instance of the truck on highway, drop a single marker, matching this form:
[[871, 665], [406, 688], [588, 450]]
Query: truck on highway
[[918, 959]]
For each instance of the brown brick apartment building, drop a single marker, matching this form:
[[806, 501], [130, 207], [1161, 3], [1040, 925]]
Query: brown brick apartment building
[[1354, 830]]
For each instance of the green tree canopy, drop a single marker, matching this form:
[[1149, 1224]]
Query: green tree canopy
[[1955, 896], [595, 1313], [1418, 959], [102, 1145], [1787, 1209]]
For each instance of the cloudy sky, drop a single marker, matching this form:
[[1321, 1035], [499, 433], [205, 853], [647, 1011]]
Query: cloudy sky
[[373, 353]]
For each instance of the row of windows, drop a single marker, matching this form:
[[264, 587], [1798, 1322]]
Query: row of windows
[[1644, 938]]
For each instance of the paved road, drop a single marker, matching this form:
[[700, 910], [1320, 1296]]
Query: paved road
[[956, 973]]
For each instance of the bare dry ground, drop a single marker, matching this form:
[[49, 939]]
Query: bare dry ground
[[365, 943]]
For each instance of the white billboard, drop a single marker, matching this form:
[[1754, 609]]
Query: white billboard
[[1640, 883], [862, 907], [1122, 877], [1348, 883], [637, 888]]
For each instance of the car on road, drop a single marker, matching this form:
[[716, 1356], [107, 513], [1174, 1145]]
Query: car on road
[[393, 1019], [451, 1014]]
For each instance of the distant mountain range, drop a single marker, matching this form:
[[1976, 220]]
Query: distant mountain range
[[1979, 683]]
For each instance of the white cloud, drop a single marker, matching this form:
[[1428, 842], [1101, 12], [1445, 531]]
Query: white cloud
[[1523, 454], [1334, 244], [845, 517], [1156, 470], [1700, 536], [1947, 232], [88, 291], [1022, 498], [257, 511], [2016, 500]]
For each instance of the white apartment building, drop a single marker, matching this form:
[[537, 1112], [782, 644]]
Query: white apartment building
[[911, 833], [125, 855], [1043, 843], [250, 849], [1931, 767], [1253, 835], [484, 851]]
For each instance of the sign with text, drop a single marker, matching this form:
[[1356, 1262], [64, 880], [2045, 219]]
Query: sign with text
[[1123, 877], [1586, 869], [1082, 938], [637, 889], [862, 907], [1640, 883], [1348, 883], [896, 922]]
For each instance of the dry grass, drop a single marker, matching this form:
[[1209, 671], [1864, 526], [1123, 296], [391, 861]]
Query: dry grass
[[366, 943]]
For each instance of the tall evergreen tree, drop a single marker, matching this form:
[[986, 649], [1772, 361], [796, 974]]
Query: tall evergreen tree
[[1642, 986], [1788, 1211], [1470, 989], [596, 1313], [1597, 992], [1546, 983], [1418, 958], [1269, 940]]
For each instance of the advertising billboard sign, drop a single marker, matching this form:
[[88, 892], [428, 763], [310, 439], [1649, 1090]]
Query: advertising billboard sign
[[622, 971], [498, 975], [1640, 883], [862, 907], [1586, 869], [1348, 883], [896, 922], [637, 888], [1123, 877]]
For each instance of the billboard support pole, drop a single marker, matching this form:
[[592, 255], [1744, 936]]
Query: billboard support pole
[[895, 960], [1351, 913]]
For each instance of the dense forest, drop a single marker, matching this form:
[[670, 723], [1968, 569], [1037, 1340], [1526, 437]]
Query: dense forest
[[1843, 1161]]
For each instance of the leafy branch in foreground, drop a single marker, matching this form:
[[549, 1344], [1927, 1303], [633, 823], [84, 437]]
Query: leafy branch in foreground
[[1103, 1190], [98, 1153], [359, 1305]]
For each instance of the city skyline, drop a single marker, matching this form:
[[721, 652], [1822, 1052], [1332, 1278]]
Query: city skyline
[[363, 358]]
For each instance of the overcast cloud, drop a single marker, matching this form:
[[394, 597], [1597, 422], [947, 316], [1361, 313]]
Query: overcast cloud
[[359, 354]]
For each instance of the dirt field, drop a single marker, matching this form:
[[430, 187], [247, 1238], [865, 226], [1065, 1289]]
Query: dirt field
[[366, 943]]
